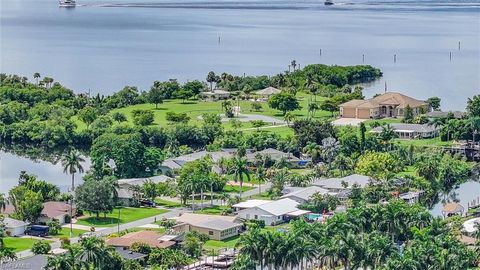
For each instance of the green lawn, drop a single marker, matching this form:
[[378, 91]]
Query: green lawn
[[19, 244], [236, 189], [226, 243], [127, 214], [167, 204], [195, 108], [65, 232], [212, 210]]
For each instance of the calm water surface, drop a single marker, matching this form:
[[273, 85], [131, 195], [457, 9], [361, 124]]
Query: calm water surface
[[104, 45]]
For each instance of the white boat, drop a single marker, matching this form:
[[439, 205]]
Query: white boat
[[328, 2], [66, 3]]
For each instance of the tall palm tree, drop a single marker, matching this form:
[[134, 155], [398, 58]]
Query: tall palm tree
[[3, 202], [72, 164], [239, 169], [36, 76], [253, 244], [92, 251]]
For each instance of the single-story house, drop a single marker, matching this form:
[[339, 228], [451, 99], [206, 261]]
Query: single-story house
[[14, 227], [51, 210], [176, 163], [338, 184], [275, 155], [411, 197], [214, 95], [130, 255], [441, 114], [389, 104], [151, 238], [124, 189], [36, 262], [249, 204], [274, 212], [216, 227], [268, 92], [303, 195], [410, 131]]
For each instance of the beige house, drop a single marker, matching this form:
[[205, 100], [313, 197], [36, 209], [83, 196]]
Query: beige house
[[389, 104], [268, 92], [216, 227]]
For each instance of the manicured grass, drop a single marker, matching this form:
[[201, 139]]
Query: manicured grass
[[127, 214], [216, 245], [195, 108], [167, 204], [236, 189], [212, 210], [433, 142], [65, 232], [20, 244]]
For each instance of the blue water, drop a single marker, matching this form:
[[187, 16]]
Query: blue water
[[104, 45]]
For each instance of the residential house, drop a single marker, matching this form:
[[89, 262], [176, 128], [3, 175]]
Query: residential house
[[411, 197], [304, 194], [249, 204], [176, 163], [275, 155], [14, 227], [51, 210], [125, 191], [216, 227], [389, 104], [268, 92], [215, 95], [339, 184], [441, 114], [36, 262], [411, 131], [151, 238], [273, 212]]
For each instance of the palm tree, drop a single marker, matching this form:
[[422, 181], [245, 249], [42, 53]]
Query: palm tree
[[474, 124], [3, 202], [93, 251], [312, 107], [289, 117], [253, 244], [60, 262], [72, 164], [239, 169], [36, 76]]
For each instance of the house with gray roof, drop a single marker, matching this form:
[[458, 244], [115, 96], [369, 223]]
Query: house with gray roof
[[411, 131], [14, 227], [125, 189], [339, 184], [441, 114], [303, 195], [176, 163], [275, 155], [273, 212], [36, 262]]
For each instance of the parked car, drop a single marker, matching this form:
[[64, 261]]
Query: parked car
[[148, 203], [37, 230]]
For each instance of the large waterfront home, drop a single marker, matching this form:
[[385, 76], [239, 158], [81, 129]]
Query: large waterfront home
[[389, 104]]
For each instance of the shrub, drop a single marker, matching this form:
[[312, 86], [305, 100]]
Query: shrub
[[256, 106], [132, 265], [259, 223], [177, 117], [54, 226], [68, 218], [141, 248], [41, 247], [142, 117], [64, 242]]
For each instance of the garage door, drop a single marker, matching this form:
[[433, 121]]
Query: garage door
[[364, 113], [348, 112]]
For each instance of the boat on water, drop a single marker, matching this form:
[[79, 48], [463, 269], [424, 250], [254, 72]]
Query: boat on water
[[328, 2], [66, 3]]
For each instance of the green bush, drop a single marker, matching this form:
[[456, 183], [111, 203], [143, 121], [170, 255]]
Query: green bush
[[54, 227], [141, 248], [64, 242], [259, 223], [41, 247]]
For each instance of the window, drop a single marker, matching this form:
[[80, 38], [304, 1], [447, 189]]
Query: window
[[210, 232], [256, 217]]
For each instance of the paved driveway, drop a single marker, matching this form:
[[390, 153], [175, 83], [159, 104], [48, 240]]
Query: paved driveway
[[347, 122]]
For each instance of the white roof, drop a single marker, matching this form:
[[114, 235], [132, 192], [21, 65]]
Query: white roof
[[280, 207], [13, 223], [298, 213], [306, 193], [336, 183], [469, 225], [250, 203], [208, 221]]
